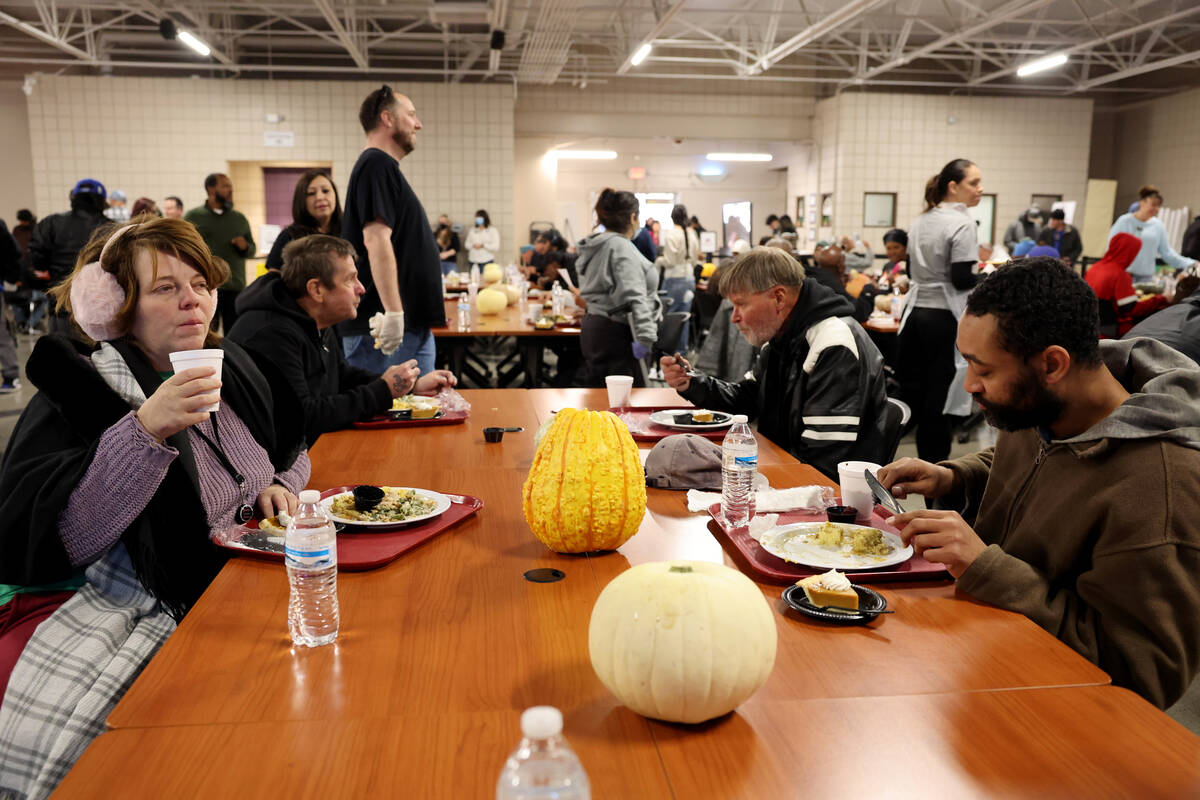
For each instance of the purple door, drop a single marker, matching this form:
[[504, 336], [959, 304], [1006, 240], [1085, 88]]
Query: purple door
[[279, 184]]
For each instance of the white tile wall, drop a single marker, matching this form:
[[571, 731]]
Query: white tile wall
[[1159, 143], [867, 142], [161, 136]]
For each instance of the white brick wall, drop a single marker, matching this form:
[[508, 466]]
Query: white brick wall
[[161, 136]]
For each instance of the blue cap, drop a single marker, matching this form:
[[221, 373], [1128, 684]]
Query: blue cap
[[90, 186]]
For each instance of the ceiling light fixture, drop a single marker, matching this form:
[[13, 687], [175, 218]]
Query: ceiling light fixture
[[194, 43], [589, 155], [739, 156], [640, 54], [1042, 64], [711, 170]]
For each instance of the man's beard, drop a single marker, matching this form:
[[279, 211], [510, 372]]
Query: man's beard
[[1035, 406], [224, 201], [403, 140]]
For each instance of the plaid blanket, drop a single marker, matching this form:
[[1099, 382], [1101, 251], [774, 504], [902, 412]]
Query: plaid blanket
[[82, 659], [76, 667]]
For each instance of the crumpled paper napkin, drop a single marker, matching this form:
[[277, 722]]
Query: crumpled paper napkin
[[767, 500]]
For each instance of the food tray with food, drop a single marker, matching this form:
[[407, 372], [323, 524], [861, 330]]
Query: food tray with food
[[762, 565], [643, 429], [359, 548]]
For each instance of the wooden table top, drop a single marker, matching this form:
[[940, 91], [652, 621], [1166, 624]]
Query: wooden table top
[[882, 325], [508, 322], [441, 650], [1064, 742]]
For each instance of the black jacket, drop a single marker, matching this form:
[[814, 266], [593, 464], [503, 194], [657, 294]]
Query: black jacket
[[53, 445], [818, 386], [285, 343], [1191, 241], [1176, 326], [1072, 246], [57, 240]]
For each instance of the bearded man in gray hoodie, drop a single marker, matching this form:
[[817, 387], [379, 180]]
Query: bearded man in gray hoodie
[[1085, 516]]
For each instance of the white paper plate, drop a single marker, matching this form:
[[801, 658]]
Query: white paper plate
[[790, 543], [442, 504]]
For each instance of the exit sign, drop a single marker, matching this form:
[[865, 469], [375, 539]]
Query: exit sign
[[637, 173]]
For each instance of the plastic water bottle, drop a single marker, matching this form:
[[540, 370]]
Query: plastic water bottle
[[897, 305], [739, 463], [543, 767], [312, 572], [464, 314], [557, 300]]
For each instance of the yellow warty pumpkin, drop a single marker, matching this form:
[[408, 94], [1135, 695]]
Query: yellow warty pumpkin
[[586, 489], [682, 641]]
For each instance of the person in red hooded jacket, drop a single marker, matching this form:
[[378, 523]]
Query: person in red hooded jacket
[[1114, 288]]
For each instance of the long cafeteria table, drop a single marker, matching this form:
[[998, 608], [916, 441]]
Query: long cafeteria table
[[455, 341], [442, 649]]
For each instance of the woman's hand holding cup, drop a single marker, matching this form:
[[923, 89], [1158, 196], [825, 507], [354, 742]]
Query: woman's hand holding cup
[[180, 402]]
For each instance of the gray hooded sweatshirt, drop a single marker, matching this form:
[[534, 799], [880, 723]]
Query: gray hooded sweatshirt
[[618, 282], [1096, 538]]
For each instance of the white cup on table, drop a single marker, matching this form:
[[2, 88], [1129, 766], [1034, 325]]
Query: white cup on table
[[854, 488], [620, 388], [190, 359]]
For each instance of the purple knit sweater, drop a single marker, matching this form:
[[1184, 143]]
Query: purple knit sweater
[[129, 465]]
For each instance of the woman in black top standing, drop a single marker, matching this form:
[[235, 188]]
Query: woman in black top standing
[[316, 208]]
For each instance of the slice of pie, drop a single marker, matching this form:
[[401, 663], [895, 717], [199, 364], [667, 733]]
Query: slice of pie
[[831, 589]]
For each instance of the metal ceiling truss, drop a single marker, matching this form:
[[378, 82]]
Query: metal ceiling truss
[[1115, 46]]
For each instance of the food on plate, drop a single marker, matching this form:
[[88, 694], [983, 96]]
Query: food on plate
[[869, 542], [702, 415], [831, 589], [397, 506], [276, 525], [544, 323], [421, 407], [586, 489], [830, 535]]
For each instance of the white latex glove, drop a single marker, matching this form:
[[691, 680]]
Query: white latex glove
[[387, 328]]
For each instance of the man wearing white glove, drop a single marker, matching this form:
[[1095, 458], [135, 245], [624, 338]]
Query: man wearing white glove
[[399, 262]]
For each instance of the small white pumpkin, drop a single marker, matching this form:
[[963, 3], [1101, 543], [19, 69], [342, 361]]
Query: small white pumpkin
[[512, 292], [491, 301], [492, 273], [682, 641]]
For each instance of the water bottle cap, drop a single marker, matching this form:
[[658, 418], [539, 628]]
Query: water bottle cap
[[541, 722], [742, 418], [310, 497]]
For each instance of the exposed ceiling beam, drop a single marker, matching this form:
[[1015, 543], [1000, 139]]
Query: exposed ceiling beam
[[46, 38], [847, 13], [1089, 45], [1006, 12], [467, 61], [1131, 72], [203, 29], [343, 35], [659, 27]]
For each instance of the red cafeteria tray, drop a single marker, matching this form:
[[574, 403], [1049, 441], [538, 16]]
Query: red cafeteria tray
[[653, 432], [771, 568], [382, 421], [368, 550]]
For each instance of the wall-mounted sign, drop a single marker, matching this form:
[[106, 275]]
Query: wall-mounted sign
[[637, 173], [279, 139]]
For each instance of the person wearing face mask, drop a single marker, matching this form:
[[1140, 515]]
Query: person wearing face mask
[[483, 241], [942, 253], [227, 234], [1145, 225], [620, 286], [316, 208]]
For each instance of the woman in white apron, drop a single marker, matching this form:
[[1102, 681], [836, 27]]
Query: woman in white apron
[[942, 253]]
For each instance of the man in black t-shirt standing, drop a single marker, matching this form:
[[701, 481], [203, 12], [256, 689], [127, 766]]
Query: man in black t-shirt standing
[[398, 258]]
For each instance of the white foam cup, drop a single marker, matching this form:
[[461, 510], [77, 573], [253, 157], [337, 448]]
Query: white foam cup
[[620, 388], [190, 359], [854, 488]]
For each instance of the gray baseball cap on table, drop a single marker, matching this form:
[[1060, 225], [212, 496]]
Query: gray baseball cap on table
[[684, 461]]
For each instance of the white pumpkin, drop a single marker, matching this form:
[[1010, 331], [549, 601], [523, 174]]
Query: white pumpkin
[[512, 292], [682, 641], [492, 273], [491, 301]]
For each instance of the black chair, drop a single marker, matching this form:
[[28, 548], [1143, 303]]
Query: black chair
[[1108, 320], [670, 330], [896, 417]]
